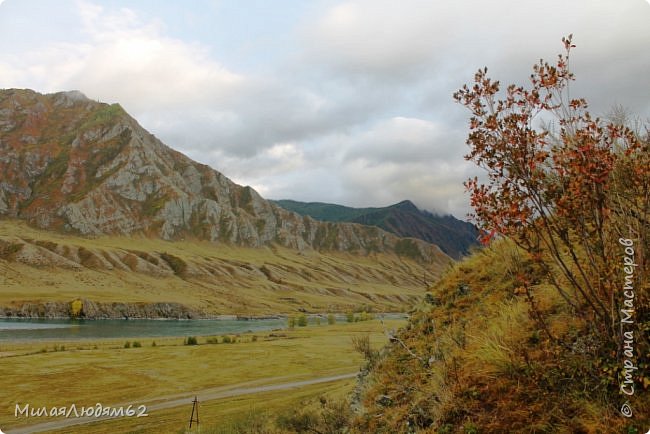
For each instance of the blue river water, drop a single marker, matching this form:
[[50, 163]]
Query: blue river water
[[67, 329]]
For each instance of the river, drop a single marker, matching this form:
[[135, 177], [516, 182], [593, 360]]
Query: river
[[16, 330]]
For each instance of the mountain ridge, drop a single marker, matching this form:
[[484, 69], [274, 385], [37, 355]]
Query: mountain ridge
[[73, 164], [403, 219]]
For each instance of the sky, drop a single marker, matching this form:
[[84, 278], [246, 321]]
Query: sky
[[346, 102]]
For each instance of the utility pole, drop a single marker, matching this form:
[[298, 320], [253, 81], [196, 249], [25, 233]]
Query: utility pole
[[195, 409]]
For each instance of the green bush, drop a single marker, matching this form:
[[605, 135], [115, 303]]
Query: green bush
[[136, 344], [127, 344], [350, 317], [331, 319], [226, 340], [302, 321], [191, 340]]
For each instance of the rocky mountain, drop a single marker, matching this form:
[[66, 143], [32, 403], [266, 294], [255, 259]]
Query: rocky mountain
[[72, 164], [403, 219]]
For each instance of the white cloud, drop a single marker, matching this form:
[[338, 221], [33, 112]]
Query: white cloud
[[360, 113]]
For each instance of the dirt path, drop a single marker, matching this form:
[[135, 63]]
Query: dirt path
[[175, 401]]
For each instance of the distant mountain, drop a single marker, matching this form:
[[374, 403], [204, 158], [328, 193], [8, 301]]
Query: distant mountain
[[403, 219], [73, 164]]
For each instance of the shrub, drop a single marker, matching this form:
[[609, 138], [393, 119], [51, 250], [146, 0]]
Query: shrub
[[291, 322], [191, 340], [361, 344], [127, 344], [302, 321], [331, 319], [350, 317], [136, 344], [226, 340], [567, 196], [76, 308]]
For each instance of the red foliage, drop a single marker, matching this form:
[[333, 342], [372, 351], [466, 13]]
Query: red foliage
[[555, 189]]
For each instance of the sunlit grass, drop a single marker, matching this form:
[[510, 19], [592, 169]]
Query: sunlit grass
[[219, 279], [106, 372]]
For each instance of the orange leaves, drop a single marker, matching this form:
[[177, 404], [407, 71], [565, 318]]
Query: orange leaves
[[553, 188]]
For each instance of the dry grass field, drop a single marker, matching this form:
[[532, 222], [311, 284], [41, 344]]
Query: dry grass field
[[103, 371]]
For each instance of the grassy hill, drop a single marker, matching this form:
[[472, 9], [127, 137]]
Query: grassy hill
[[42, 272], [474, 358]]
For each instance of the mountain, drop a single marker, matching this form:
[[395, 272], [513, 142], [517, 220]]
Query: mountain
[[72, 164], [403, 219]]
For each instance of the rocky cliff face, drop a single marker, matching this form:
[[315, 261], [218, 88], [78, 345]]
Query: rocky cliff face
[[73, 164]]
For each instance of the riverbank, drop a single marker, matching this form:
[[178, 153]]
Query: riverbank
[[92, 310]]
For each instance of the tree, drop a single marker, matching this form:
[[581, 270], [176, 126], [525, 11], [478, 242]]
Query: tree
[[564, 194]]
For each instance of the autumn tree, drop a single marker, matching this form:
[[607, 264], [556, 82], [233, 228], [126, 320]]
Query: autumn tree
[[565, 186]]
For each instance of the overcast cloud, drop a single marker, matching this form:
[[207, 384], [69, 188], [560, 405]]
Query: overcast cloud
[[337, 101]]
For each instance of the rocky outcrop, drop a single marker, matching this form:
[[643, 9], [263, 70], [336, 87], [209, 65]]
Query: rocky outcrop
[[95, 310], [73, 164]]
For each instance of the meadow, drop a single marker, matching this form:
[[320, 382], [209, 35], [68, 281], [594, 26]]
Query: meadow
[[55, 374]]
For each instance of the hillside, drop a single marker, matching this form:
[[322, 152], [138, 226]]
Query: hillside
[[72, 164], [404, 219], [473, 358], [43, 272]]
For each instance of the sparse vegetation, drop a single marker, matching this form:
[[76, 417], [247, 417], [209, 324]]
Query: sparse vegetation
[[175, 263]]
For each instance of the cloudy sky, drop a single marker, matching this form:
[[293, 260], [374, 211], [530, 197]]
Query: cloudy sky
[[336, 101]]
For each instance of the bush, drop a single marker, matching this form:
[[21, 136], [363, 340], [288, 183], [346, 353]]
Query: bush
[[331, 319], [226, 340], [191, 340], [302, 321], [153, 343], [568, 196], [361, 344], [350, 317], [136, 344], [291, 322], [127, 344]]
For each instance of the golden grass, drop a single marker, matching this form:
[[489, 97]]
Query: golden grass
[[220, 413], [479, 359], [111, 374], [222, 279]]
